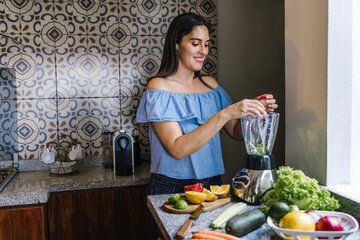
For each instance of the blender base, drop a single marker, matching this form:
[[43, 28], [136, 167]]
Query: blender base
[[252, 182]]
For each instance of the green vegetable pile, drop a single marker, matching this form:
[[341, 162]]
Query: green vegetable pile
[[294, 187], [258, 150]]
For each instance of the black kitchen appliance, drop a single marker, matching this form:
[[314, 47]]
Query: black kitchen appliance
[[107, 149], [123, 150], [259, 174]]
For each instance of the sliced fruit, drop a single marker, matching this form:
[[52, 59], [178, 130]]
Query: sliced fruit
[[220, 191], [238, 193], [195, 187], [195, 197], [174, 198], [205, 190], [262, 99], [298, 221], [181, 204], [210, 196], [278, 209]]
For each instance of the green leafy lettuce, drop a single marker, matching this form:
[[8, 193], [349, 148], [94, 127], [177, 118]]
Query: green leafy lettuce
[[294, 187]]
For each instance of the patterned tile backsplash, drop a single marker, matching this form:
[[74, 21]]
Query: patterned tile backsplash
[[72, 69]]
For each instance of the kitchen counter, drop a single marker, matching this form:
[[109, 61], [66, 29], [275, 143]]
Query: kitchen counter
[[35, 187], [170, 223]]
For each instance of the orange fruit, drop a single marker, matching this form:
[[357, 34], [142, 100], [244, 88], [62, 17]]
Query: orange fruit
[[238, 193], [210, 196], [195, 197], [220, 191]]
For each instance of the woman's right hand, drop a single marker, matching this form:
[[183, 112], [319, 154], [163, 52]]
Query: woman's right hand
[[244, 108]]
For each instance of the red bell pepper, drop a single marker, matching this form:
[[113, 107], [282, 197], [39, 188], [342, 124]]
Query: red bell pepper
[[198, 187]]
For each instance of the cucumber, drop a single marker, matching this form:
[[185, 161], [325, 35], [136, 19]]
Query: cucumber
[[242, 224]]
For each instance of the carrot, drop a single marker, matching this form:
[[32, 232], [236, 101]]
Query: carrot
[[206, 236], [219, 234]]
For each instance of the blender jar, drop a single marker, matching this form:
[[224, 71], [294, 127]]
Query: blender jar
[[260, 133]]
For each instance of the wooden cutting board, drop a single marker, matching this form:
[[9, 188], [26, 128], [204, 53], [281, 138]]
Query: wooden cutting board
[[208, 206]]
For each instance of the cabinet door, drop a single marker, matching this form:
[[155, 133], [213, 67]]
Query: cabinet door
[[115, 213], [23, 223]]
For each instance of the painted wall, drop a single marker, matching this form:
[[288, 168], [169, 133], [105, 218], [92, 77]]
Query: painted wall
[[306, 86], [251, 62], [81, 68]]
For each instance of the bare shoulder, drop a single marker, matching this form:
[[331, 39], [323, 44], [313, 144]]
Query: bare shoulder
[[211, 81], [157, 84]]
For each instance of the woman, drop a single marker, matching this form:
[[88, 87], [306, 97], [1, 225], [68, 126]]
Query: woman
[[186, 111]]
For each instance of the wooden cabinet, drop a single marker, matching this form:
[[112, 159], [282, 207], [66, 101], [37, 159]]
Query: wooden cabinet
[[23, 223], [114, 213]]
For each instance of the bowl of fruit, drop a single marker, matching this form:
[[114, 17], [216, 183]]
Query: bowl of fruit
[[313, 225]]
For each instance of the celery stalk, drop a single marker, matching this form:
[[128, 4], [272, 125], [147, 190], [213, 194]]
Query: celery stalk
[[233, 210]]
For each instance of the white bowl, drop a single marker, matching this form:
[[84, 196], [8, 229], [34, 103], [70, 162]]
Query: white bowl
[[347, 221]]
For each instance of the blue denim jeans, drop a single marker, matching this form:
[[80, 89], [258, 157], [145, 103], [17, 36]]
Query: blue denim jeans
[[160, 184]]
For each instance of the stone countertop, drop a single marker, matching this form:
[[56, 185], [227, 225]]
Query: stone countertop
[[170, 223], [35, 187]]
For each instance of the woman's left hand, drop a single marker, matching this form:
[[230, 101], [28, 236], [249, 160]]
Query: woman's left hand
[[270, 101]]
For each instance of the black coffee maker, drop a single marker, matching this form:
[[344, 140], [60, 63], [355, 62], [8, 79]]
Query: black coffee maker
[[123, 150]]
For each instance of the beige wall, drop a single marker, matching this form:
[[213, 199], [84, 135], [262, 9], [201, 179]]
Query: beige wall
[[306, 86], [319, 66], [251, 62]]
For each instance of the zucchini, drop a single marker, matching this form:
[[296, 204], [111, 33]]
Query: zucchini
[[242, 224], [228, 213]]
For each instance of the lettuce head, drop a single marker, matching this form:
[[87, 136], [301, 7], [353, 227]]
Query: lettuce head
[[294, 187]]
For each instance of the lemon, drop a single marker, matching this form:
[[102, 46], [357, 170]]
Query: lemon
[[181, 204], [195, 197], [220, 191], [298, 221]]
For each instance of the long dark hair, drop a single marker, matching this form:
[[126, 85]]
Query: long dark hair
[[181, 26]]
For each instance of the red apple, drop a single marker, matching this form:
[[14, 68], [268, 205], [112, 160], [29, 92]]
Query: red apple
[[328, 223]]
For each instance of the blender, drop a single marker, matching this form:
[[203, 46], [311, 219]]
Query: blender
[[259, 174]]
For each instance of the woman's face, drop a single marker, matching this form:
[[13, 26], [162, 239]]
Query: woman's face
[[193, 48]]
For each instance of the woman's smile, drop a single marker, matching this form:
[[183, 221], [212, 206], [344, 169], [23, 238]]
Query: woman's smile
[[199, 59]]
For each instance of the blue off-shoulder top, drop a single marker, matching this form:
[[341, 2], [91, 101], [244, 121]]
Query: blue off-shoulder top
[[190, 110]]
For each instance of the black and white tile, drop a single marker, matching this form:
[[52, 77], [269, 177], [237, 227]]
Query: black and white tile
[[78, 68]]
